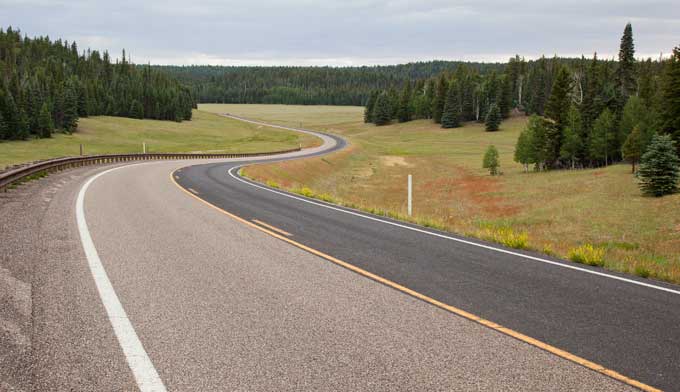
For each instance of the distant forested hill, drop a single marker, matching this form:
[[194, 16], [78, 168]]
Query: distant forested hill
[[47, 85], [306, 85]]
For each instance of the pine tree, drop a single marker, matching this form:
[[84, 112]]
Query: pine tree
[[505, 97], [70, 121], [523, 149], [137, 110], [601, 137], [491, 160], [82, 101], [571, 145], [451, 114], [382, 112], [370, 104], [439, 99], [591, 106], [559, 101], [493, 118], [12, 117], [660, 167], [45, 125], [626, 79], [404, 113], [632, 148], [430, 89], [670, 109]]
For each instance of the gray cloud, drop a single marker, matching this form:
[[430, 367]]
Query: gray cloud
[[349, 32]]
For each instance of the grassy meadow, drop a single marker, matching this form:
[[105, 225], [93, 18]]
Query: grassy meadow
[[207, 132], [560, 213]]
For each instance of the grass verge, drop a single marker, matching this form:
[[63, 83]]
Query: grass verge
[[207, 132]]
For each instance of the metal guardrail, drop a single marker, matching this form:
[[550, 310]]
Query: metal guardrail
[[13, 175]]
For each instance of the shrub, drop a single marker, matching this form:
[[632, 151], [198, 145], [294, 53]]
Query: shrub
[[305, 192], [642, 271], [659, 167], [272, 184], [506, 236], [491, 160], [587, 254]]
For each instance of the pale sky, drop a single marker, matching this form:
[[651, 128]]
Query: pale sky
[[350, 32]]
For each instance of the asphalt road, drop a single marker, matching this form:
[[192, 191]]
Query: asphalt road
[[218, 305], [630, 328]]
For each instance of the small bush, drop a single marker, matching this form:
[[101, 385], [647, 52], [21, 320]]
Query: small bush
[[642, 271], [506, 236], [587, 254], [273, 184], [548, 250], [326, 197], [305, 192]]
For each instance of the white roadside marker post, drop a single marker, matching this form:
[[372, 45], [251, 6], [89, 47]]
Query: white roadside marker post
[[410, 195], [144, 147]]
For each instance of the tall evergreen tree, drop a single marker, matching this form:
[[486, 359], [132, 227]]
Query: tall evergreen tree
[[505, 97], [70, 121], [382, 112], [670, 109], [572, 143], [405, 112], [370, 105], [493, 118], [560, 100], [626, 80], [439, 99], [600, 142], [632, 148], [45, 125], [451, 114]]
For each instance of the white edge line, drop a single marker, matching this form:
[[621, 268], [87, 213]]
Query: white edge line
[[573, 267], [138, 360]]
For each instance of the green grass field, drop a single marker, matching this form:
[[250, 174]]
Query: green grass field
[[207, 132], [559, 211]]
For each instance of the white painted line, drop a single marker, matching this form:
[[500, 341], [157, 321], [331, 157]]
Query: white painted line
[[500, 250], [145, 373]]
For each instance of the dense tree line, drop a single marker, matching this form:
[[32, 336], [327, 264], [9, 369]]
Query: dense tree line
[[603, 112], [47, 85], [305, 85], [585, 112]]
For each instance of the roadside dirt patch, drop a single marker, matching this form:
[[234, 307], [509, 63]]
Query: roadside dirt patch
[[478, 193], [392, 161]]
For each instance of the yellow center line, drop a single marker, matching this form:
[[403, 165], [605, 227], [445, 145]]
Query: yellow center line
[[462, 313], [276, 229]]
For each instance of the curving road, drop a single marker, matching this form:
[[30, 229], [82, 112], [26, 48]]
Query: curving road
[[151, 288]]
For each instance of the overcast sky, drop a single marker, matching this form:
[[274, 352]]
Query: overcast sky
[[350, 32]]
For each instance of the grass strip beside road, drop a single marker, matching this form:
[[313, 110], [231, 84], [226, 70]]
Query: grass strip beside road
[[207, 133]]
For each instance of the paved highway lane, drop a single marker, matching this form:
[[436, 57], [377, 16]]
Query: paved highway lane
[[630, 328], [214, 304]]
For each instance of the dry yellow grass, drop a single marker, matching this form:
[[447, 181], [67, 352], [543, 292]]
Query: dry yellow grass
[[207, 132], [559, 210]]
